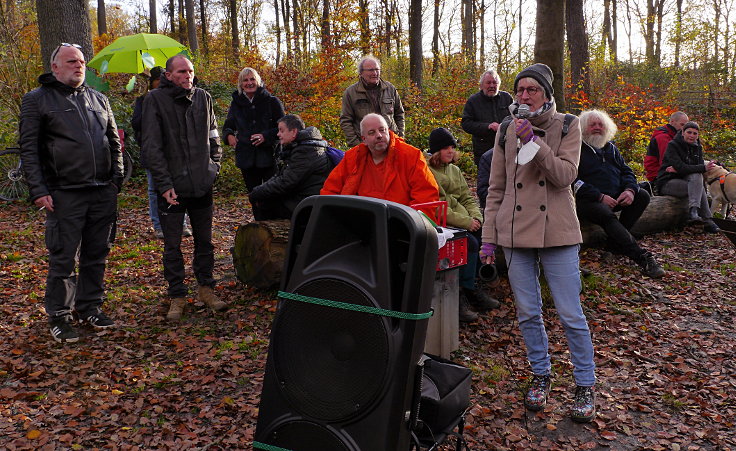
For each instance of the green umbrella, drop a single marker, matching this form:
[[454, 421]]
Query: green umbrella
[[132, 54]]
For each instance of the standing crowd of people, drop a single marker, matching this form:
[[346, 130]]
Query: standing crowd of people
[[539, 173]]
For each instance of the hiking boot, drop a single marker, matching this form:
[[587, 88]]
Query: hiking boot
[[536, 397], [464, 313], [480, 301], [583, 405], [62, 331], [649, 266], [98, 320], [176, 309], [693, 216], [158, 233], [186, 231], [207, 295], [710, 226]]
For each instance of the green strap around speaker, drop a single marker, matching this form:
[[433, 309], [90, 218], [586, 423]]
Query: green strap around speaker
[[259, 445], [354, 307]]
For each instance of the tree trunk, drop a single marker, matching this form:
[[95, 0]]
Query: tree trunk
[[662, 214], [551, 22], [69, 23], [172, 16], [152, 25], [295, 30], [285, 14], [577, 44], [191, 26], [101, 18], [467, 29], [326, 37], [203, 21], [482, 60], [182, 24], [415, 42], [613, 44], [365, 28], [234, 33], [278, 32], [259, 251], [436, 38]]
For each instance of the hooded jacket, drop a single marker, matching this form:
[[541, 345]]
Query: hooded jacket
[[656, 149], [181, 145], [68, 138], [303, 167], [532, 205], [686, 158], [245, 118]]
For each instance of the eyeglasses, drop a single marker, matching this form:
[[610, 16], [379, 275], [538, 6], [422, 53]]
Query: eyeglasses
[[64, 44], [375, 69], [531, 90]]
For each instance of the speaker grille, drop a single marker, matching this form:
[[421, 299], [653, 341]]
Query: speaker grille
[[306, 436], [331, 363]]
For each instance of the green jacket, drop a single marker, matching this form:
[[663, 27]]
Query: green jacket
[[356, 105], [462, 207]]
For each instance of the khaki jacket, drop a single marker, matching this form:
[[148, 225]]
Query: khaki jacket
[[532, 206], [356, 105]]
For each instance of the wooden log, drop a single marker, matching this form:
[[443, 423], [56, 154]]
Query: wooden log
[[662, 214], [259, 252]]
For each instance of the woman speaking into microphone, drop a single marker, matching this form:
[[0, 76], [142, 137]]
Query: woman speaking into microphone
[[530, 213]]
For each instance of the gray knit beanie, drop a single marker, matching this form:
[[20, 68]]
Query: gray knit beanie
[[540, 72]]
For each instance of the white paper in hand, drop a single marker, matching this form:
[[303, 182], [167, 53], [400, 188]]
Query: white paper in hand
[[527, 152]]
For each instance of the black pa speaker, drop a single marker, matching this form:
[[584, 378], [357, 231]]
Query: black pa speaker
[[341, 377]]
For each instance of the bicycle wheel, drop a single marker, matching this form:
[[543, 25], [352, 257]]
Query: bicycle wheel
[[12, 183], [127, 167]]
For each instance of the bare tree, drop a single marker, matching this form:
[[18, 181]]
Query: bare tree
[[67, 24], [234, 32], [577, 45], [191, 26], [415, 42], [101, 18], [609, 36], [365, 27], [203, 25], [548, 49], [153, 26]]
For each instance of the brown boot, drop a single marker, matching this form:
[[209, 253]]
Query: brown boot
[[176, 309], [207, 295]]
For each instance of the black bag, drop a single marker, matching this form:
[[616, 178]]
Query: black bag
[[445, 395]]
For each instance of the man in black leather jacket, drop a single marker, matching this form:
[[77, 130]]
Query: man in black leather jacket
[[181, 148], [74, 168]]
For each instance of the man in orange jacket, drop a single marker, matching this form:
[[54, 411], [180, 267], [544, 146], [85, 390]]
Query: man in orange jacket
[[383, 166]]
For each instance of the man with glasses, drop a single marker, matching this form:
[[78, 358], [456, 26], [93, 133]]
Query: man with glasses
[[371, 94], [74, 168], [484, 111]]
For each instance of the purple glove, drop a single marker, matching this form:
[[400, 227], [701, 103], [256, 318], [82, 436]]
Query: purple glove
[[487, 250], [524, 131]]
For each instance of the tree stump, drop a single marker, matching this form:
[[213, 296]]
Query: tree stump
[[662, 214], [259, 252]]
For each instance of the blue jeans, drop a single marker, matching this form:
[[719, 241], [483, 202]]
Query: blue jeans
[[152, 202], [561, 269]]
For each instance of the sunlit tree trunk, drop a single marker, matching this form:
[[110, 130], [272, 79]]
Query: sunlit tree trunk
[[551, 22], [436, 38], [467, 30], [482, 61], [415, 42], [278, 31], [101, 18], [68, 24], [234, 31], [295, 30], [365, 29], [326, 37], [191, 26], [285, 15], [577, 44], [152, 25], [609, 36], [203, 25]]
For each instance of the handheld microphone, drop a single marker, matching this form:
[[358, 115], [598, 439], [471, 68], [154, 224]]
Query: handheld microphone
[[523, 111]]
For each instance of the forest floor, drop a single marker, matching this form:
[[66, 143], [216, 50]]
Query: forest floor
[[665, 354]]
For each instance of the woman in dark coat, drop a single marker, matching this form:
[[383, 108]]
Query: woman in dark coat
[[251, 128], [681, 175]]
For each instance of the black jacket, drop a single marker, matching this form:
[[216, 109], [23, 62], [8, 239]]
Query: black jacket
[[602, 171], [484, 176], [181, 145], [68, 138], [479, 111], [244, 118], [303, 169], [686, 158]]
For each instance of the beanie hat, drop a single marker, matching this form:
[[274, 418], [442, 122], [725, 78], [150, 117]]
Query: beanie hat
[[440, 138], [155, 75], [690, 124], [540, 72]]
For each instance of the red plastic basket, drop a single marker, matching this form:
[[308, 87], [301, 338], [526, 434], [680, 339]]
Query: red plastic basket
[[455, 251]]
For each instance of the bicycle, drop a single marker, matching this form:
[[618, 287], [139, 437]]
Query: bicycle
[[12, 183]]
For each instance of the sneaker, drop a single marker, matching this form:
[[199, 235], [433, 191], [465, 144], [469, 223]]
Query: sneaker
[[583, 405], [97, 320], [62, 331], [464, 313], [480, 301], [710, 226], [649, 266], [186, 231], [158, 233], [536, 397]]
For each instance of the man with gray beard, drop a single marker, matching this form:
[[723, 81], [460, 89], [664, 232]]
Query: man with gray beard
[[605, 185]]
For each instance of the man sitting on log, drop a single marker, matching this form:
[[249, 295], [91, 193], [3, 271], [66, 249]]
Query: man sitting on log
[[302, 167], [383, 166], [605, 185]]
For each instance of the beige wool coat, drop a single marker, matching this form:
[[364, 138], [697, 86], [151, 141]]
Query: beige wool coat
[[532, 205]]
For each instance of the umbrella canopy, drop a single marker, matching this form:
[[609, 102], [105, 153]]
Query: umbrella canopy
[[132, 54]]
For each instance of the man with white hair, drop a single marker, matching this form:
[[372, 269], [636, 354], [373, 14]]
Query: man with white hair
[[606, 184], [371, 94], [484, 111]]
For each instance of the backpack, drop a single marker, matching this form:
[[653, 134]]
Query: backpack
[[335, 155], [507, 120]]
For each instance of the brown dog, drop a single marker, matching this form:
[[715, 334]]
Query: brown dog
[[722, 187]]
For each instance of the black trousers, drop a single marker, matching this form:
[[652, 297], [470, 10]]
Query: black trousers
[[82, 226], [172, 222], [620, 239], [254, 177]]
